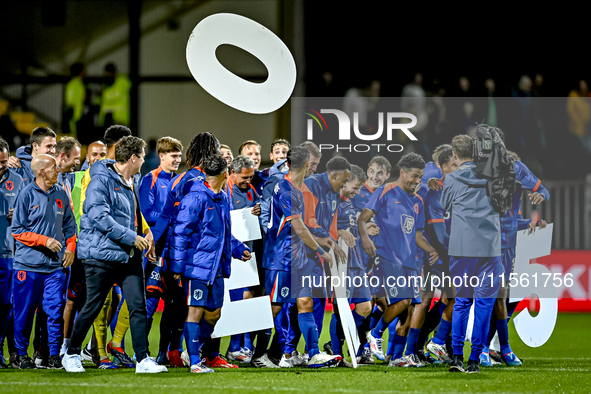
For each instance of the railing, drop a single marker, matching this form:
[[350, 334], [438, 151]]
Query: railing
[[569, 208]]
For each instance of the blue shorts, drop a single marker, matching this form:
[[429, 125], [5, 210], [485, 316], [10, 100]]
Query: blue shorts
[[397, 282], [6, 281], [201, 294], [238, 294], [278, 286], [508, 258], [358, 292]]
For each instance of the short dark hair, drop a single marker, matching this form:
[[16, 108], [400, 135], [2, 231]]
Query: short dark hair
[[215, 165], [297, 157], [40, 133], [438, 151], [445, 156], [4, 146], [312, 148], [338, 163], [280, 141], [357, 174], [382, 162], [127, 147], [241, 162], [66, 145], [114, 134], [410, 161], [463, 145]]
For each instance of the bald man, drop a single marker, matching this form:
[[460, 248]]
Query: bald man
[[44, 230]]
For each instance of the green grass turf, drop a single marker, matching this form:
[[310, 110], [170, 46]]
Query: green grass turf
[[563, 364]]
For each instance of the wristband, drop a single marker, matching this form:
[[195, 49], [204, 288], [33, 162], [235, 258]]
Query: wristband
[[320, 251]]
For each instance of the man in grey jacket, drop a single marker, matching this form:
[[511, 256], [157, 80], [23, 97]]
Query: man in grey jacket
[[475, 252]]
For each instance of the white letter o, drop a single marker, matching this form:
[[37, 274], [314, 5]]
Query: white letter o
[[246, 34]]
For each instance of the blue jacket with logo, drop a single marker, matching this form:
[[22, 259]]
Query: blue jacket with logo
[[24, 155], [175, 191], [202, 244], [476, 228], [11, 184], [153, 193], [39, 215], [108, 223]]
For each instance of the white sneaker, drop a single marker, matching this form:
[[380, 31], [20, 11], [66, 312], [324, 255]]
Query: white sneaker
[[240, 356], [439, 351], [186, 359], [300, 360], [248, 354], [73, 363], [375, 344], [286, 362], [263, 362], [305, 359], [149, 365], [323, 360]]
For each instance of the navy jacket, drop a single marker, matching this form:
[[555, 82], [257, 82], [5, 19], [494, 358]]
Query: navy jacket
[[202, 245], [153, 193], [110, 216], [37, 216], [10, 185], [24, 155], [476, 229]]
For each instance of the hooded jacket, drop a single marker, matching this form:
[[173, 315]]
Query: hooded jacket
[[108, 226], [24, 155], [39, 215], [202, 245], [476, 229]]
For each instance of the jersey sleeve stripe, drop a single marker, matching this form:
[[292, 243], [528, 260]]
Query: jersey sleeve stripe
[[537, 186]]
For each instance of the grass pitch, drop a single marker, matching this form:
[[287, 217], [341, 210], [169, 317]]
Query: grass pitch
[[562, 365]]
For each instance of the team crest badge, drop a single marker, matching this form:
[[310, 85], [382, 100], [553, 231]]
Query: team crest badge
[[21, 276], [334, 205], [407, 222], [416, 208], [284, 292], [198, 294], [9, 186], [59, 203], [393, 292], [348, 293]]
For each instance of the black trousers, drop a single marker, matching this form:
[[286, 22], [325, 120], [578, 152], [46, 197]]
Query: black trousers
[[100, 278]]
